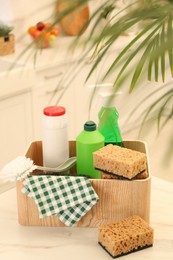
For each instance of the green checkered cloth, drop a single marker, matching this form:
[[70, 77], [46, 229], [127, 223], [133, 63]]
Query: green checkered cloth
[[67, 197]]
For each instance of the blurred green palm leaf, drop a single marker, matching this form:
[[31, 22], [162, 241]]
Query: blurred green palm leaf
[[153, 42], [151, 48]]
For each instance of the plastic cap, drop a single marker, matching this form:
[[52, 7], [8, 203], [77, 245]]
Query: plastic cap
[[109, 98], [107, 92], [54, 111], [89, 126]]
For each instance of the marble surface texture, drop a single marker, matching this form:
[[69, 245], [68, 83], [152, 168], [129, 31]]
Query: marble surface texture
[[19, 242]]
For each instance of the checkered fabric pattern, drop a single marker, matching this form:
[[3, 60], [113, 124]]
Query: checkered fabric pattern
[[67, 197]]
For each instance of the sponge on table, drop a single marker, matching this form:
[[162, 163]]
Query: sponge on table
[[126, 236], [120, 161]]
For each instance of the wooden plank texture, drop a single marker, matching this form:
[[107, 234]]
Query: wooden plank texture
[[117, 198]]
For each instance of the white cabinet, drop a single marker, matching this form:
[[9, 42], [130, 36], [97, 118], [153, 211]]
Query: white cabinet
[[15, 126]]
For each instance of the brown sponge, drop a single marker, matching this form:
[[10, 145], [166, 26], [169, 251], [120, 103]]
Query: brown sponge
[[120, 161], [108, 176], [126, 236]]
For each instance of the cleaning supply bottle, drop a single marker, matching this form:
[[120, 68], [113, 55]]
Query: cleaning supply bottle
[[108, 118], [54, 136], [87, 142]]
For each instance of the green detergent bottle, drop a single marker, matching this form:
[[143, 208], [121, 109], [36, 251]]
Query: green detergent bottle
[[108, 118], [87, 142]]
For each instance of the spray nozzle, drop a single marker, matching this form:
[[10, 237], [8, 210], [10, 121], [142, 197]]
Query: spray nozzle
[[106, 92]]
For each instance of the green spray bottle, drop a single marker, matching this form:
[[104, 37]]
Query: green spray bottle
[[108, 116], [87, 142]]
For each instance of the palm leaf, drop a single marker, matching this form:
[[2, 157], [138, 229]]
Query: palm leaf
[[140, 65], [159, 51], [153, 106], [162, 14], [161, 112], [146, 98], [115, 31], [96, 17], [135, 52], [127, 48], [150, 64], [162, 60], [156, 59], [170, 40]]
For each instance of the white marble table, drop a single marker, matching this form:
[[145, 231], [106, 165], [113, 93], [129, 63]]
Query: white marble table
[[26, 243]]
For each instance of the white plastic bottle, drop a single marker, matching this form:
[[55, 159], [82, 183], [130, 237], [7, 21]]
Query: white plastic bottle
[[54, 136]]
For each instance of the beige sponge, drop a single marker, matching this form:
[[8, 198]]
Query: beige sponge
[[126, 236], [120, 161]]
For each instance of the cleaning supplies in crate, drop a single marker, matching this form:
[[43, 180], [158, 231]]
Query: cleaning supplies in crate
[[17, 169], [67, 197], [128, 235], [21, 167], [108, 115], [123, 192], [120, 162], [88, 141], [54, 136]]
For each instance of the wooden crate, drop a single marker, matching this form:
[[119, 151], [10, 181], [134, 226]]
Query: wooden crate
[[7, 45], [117, 198]]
